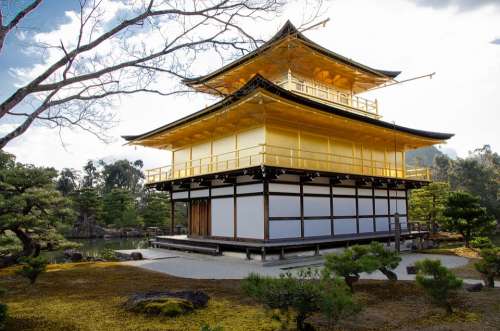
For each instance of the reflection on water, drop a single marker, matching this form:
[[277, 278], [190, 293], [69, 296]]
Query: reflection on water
[[93, 247]]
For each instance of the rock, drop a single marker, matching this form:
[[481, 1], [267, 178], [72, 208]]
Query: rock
[[133, 233], [429, 244], [73, 255], [167, 306], [474, 287], [411, 270], [112, 233], [136, 256], [167, 303], [86, 226]]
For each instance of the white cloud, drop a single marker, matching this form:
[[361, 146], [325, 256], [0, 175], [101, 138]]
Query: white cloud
[[459, 4]]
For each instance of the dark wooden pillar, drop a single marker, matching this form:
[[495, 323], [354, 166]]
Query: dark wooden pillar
[[172, 213], [266, 210], [301, 210], [235, 211]]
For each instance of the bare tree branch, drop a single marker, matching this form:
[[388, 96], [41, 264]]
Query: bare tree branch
[[5, 29], [85, 76]]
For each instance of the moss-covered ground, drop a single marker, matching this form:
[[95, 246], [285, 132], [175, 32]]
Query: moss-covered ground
[[89, 296]]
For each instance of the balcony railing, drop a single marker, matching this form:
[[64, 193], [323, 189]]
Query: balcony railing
[[284, 157], [329, 95]]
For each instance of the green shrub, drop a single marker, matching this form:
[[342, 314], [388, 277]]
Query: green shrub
[[481, 242], [108, 254], [303, 294], [286, 293], [387, 260], [32, 267], [437, 281], [336, 301], [489, 265], [350, 263]]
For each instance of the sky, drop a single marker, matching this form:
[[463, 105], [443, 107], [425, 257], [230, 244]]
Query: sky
[[457, 39]]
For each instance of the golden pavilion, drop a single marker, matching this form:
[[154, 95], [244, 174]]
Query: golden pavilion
[[291, 155]]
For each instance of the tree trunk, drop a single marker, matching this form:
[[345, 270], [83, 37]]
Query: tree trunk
[[389, 274], [29, 248], [350, 280], [489, 281], [449, 310], [300, 320]]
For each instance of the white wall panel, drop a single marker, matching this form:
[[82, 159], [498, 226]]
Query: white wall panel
[[284, 229], [316, 206], [310, 189], [222, 217], [404, 223], [315, 228], [285, 188], [229, 190], [393, 193], [284, 206], [344, 226], [344, 190], [199, 193], [381, 207], [365, 191], [382, 224], [344, 206], [250, 188], [250, 217], [401, 204], [402, 194], [180, 195], [380, 193], [365, 206], [366, 225]]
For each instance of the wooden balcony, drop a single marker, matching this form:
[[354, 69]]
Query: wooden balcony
[[287, 158], [325, 94]]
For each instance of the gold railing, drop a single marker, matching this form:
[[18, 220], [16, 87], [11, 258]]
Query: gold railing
[[284, 157], [326, 94]]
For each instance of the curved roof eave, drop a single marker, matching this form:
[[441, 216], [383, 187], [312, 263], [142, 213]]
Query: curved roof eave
[[260, 82], [289, 29]]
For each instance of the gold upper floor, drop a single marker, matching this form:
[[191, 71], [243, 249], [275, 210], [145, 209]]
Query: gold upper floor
[[297, 64], [275, 145], [329, 95]]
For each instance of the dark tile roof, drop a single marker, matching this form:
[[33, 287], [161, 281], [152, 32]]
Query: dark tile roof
[[260, 82], [289, 29]]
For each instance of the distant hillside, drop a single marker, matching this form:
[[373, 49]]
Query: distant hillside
[[422, 156]]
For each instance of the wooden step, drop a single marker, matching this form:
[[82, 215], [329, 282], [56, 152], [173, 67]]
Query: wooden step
[[186, 247]]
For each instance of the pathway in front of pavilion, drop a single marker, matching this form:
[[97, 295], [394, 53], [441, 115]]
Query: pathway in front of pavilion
[[199, 266]]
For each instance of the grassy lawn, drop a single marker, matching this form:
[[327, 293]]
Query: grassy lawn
[[89, 296]]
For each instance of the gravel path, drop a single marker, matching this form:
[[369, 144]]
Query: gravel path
[[190, 265]]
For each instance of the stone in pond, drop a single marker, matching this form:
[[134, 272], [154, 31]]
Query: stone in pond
[[167, 303], [411, 270], [73, 255], [477, 287], [136, 256]]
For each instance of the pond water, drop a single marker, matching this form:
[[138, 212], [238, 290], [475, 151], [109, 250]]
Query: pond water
[[93, 247]]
